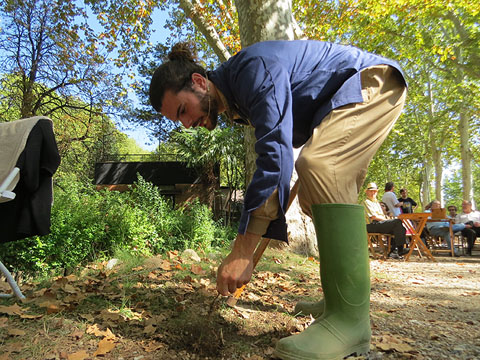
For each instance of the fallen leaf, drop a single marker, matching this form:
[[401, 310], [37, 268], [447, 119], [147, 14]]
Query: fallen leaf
[[172, 254], [3, 322], [88, 317], [152, 276], [94, 330], [4, 286], [77, 334], [79, 355], [29, 316], [52, 307], [70, 289], [104, 346], [384, 292], [403, 348], [72, 278], [153, 346], [165, 265], [149, 329], [15, 347], [197, 270], [16, 332], [11, 310]]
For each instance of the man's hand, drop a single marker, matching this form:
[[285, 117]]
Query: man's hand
[[237, 268]]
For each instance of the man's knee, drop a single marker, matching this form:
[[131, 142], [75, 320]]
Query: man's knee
[[306, 166]]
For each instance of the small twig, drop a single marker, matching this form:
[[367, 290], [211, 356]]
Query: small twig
[[212, 305]]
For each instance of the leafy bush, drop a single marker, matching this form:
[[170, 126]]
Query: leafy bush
[[89, 225]]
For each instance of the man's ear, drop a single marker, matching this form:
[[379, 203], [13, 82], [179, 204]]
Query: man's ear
[[199, 80]]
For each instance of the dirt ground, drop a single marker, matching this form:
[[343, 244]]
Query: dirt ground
[[167, 308]]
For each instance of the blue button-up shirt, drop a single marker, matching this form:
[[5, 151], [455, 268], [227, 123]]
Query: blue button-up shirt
[[285, 89]]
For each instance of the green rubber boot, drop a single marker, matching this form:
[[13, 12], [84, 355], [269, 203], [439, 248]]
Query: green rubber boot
[[305, 308], [344, 327]]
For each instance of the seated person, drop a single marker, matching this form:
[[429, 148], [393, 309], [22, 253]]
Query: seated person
[[452, 211], [442, 228], [386, 211], [428, 206], [471, 220], [377, 222]]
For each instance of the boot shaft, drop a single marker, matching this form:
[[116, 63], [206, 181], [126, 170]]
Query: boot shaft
[[344, 264]]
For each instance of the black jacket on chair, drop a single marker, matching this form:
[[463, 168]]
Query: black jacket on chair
[[29, 213]]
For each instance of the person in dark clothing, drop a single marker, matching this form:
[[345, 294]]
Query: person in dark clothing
[[471, 219], [339, 103], [409, 205]]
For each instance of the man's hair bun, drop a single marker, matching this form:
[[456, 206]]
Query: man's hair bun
[[184, 51]]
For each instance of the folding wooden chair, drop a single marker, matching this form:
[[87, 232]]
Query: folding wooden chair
[[379, 241]]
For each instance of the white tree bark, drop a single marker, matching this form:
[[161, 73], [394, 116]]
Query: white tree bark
[[261, 20], [435, 147]]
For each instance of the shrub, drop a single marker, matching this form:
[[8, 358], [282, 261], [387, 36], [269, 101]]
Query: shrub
[[89, 225]]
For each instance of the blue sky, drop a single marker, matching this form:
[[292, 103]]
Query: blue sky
[[158, 35]]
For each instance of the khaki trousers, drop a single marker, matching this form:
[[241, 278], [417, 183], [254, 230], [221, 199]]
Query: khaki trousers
[[333, 163]]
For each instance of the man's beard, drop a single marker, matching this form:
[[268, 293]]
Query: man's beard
[[209, 105]]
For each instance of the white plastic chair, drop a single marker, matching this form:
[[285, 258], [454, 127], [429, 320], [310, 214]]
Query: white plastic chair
[[6, 195]]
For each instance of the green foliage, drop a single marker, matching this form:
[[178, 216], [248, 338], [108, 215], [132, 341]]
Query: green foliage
[[453, 190], [89, 224]]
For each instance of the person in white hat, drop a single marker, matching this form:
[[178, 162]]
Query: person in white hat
[[378, 223]]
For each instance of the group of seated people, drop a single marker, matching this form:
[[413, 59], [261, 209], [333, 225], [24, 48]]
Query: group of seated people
[[382, 218]]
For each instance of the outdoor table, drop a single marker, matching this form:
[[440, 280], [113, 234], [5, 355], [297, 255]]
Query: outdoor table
[[452, 239], [415, 223]]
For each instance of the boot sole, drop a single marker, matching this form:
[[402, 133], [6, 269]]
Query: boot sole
[[358, 350]]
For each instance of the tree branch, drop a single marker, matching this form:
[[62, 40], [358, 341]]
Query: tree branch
[[189, 7]]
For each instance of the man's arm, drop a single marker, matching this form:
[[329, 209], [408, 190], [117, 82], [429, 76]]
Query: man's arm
[[394, 200], [237, 268], [414, 204], [262, 88]]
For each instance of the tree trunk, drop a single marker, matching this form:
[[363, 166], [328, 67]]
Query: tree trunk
[[427, 169], [463, 125], [261, 20], [435, 146], [463, 128]]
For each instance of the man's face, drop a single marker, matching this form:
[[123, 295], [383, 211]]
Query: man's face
[[192, 108], [452, 210], [404, 194], [466, 207], [371, 193]]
